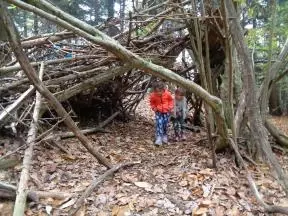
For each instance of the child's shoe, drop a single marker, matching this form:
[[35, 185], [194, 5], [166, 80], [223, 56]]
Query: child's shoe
[[158, 141], [165, 139]]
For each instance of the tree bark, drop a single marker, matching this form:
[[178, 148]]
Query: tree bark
[[258, 130], [30, 73]]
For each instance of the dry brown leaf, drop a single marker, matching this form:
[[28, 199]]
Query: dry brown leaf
[[51, 168], [6, 208], [206, 203], [183, 183], [219, 211], [207, 171], [143, 185], [231, 191], [102, 213], [197, 191], [233, 212], [122, 210], [200, 211]]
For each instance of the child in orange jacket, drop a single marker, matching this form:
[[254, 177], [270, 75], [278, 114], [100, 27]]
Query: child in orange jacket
[[161, 102]]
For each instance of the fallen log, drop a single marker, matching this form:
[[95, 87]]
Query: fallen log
[[96, 183], [21, 197]]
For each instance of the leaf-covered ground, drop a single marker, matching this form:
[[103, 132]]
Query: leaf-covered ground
[[174, 179]]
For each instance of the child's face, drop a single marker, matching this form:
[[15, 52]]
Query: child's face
[[159, 91], [179, 97]]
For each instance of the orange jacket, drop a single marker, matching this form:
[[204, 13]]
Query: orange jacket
[[163, 103]]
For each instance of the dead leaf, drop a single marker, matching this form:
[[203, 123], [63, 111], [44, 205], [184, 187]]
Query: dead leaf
[[206, 203], [200, 211], [48, 209], [206, 190], [233, 212], [121, 211], [231, 191], [51, 168], [145, 185], [183, 183], [102, 213], [219, 211]]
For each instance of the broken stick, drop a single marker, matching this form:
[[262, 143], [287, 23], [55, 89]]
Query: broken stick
[[22, 191], [9, 192], [17, 104], [96, 183], [99, 128]]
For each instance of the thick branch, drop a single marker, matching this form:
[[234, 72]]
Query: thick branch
[[17, 67]]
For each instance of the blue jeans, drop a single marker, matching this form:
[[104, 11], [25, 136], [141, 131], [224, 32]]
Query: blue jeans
[[162, 120]]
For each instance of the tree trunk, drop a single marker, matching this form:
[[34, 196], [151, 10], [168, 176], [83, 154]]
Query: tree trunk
[[274, 101], [122, 14], [110, 8], [25, 24], [36, 25], [259, 133]]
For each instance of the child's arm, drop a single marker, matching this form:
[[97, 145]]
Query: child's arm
[[185, 109], [170, 102], [152, 102]]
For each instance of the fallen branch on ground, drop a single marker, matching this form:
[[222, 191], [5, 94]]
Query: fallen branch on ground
[[9, 191], [21, 197], [96, 183]]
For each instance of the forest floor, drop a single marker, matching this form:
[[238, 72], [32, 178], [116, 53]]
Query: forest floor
[[174, 179]]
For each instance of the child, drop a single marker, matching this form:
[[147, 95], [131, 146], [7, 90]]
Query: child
[[161, 102], [179, 114]]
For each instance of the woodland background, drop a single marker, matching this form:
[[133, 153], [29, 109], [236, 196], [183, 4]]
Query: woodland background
[[93, 62]]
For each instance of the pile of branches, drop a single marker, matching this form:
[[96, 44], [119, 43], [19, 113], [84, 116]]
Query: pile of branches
[[83, 76]]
